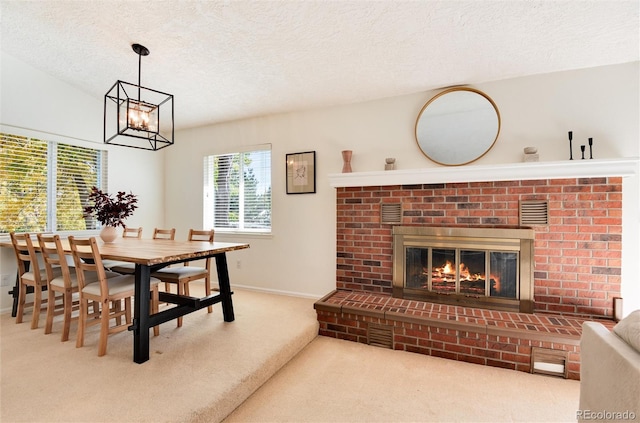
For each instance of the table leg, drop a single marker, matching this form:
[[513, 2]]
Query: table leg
[[15, 292], [225, 287], [141, 314]]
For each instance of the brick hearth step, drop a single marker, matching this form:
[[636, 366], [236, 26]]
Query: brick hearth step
[[481, 336]]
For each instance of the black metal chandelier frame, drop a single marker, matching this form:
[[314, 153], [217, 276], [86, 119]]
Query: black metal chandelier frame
[[144, 121]]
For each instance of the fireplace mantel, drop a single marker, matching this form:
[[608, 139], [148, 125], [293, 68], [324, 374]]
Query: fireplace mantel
[[623, 167]]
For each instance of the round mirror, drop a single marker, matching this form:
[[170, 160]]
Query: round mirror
[[457, 126]]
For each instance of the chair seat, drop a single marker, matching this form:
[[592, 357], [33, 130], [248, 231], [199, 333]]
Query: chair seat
[[174, 274], [117, 285], [110, 264], [43, 275], [123, 267], [90, 277]]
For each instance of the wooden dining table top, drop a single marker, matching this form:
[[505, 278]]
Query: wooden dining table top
[[154, 251]]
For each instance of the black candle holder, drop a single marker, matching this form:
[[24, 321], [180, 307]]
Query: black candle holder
[[590, 148], [582, 149], [570, 147]]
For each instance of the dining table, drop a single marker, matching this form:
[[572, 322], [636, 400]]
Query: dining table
[[150, 255]]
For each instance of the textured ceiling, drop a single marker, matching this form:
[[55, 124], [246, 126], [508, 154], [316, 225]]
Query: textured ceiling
[[226, 60]]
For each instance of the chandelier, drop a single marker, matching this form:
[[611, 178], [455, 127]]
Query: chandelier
[[138, 117]]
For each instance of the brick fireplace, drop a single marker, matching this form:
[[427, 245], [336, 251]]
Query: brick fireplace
[[577, 259], [577, 255]]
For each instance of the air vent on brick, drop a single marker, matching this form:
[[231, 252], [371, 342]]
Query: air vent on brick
[[391, 213], [380, 336], [534, 213]]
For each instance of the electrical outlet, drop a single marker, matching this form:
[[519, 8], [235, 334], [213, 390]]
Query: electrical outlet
[[6, 280]]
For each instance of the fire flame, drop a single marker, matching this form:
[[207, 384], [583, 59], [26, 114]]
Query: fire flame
[[447, 272]]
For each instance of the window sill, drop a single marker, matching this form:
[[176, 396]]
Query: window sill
[[4, 237], [240, 234]]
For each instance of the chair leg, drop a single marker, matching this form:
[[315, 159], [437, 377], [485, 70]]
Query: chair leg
[[37, 304], [82, 321], [207, 288], [117, 307], [180, 292], [51, 301], [127, 310], [22, 299], [104, 329], [154, 307], [68, 305]]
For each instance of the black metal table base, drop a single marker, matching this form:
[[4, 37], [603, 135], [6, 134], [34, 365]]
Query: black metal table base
[[142, 321]]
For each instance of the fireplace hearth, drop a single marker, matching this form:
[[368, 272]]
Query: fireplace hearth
[[477, 267]]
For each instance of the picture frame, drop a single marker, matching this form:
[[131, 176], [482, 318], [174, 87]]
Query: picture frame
[[301, 173]]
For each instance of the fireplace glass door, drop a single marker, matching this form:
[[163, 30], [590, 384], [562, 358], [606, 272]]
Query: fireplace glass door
[[478, 273], [504, 274], [473, 271]]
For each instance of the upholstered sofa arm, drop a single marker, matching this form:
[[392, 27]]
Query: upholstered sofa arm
[[609, 374]]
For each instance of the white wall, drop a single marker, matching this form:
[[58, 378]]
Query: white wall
[[35, 104], [601, 103], [299, 257]]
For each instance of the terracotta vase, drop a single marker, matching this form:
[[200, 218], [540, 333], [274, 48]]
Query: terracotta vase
[[108, 234], [346, 157]]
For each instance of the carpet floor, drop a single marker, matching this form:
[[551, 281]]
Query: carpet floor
[[197, 373], [267, 366], [333, 380]]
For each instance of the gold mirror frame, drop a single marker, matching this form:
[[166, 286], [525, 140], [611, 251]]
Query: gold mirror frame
[[457, 126]]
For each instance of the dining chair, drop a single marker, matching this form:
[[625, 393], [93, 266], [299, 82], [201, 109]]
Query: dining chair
[[31, 276], [132, 232], [126, 267], [62, 279], [164, 233], [109, 292], [169, 234], [182, 275]]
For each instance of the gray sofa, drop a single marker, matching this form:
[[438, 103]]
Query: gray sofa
[[610, 371]]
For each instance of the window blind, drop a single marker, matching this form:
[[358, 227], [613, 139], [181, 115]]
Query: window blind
[[237, 189], [44, 185]]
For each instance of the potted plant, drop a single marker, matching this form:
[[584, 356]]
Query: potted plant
[[110, 211]]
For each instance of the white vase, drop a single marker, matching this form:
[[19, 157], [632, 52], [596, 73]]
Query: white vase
[[108, 233]]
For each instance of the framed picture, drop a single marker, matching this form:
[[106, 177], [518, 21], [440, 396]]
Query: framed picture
[[301, 173]]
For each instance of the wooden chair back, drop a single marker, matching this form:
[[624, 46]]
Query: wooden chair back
[[54, 257], [132, 232], [86, 257], [164, 233], [30, 276], [195, 235], [25, 254]]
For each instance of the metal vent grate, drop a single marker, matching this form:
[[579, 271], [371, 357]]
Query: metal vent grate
[[391, 213], [549, 362], [380, 336], [534, 212]]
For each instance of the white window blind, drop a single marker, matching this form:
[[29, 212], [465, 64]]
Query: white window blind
[[237, 191], [44, 185]]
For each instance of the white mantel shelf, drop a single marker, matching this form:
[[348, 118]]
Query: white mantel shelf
[[624, 167]]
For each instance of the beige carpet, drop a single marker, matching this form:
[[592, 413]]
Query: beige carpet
[[204, 370], [341, 381], [200, 372]]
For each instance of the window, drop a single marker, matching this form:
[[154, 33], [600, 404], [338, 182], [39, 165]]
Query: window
[[237, 191], [44, 185]]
